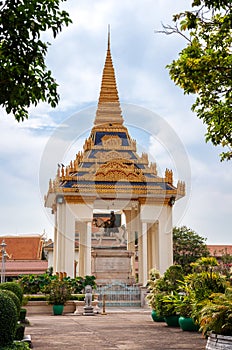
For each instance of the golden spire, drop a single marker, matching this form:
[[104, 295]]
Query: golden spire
[[108, 110]]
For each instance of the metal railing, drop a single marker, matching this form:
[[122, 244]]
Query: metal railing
[[119, 294]]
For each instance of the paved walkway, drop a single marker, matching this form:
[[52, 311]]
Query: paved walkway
[[119, 329]]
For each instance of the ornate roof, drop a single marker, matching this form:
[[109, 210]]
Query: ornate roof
[[108, 103], [109, 164]]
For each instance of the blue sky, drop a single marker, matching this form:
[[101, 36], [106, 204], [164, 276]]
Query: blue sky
[[156, 112]]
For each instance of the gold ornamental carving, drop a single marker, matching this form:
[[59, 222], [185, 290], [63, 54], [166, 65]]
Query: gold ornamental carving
[[119, 170], [111, 142], [103, 156]]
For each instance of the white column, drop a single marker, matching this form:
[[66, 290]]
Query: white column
[[140, 248], [152, 249], [82, 243], [155, 244], [134, 226], [162, 214], [59, 267], [140, 255], [165, 239], [88, 249], [69, 243], [55, 244], [83, 214], [64, 240], [144, 250]]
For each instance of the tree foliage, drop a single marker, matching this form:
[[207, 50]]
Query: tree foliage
[[204, 66], [24, 77], [188, 246]]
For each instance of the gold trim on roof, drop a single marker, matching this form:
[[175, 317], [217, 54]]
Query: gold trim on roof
[[119, 170]]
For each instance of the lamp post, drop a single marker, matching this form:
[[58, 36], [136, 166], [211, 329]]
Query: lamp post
[[3, 270]]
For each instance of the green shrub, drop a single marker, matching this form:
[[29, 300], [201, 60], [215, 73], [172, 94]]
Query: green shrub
[[79, 297], [205, 283], [216, 314], [25, 300], [159, 286], [14, 297], [33, 284], [78, 283], [16, 346], [165, 304], [19, 332], [43, 297], [36, 297], [22, 314], [58, 292], [14, 287], [8, 319]]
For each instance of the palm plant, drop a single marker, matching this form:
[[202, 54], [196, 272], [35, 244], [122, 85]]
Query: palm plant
[[216, 314], [168, 304]]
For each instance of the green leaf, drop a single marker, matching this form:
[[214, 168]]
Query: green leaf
[[24, 77]]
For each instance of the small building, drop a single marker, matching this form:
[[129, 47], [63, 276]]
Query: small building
[[219, 250], [23, 255]]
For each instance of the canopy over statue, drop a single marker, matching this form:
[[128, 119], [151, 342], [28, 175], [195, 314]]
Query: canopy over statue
[[109, 174]]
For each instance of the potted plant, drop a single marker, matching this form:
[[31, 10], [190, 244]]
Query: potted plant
[[168, 309], [153, 289], [165, 307], [157, 309], [58, 292], [184, 307], [215, 319], [159, 287]]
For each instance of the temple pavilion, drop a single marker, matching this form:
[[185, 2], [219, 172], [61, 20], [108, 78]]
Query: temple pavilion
[[109, 175]]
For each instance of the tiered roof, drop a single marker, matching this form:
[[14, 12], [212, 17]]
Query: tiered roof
[[109, 163], [108, 103]]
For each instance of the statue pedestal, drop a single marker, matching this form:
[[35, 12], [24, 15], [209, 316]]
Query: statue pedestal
[[88, 311], [112, 265]]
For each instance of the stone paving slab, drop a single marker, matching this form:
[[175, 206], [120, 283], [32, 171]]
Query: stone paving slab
[[120, 329]]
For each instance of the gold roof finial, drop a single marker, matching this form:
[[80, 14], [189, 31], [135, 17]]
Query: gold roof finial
[[109, 110], [108, 37]]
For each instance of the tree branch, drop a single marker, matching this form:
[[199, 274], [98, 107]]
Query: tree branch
[[168, 30]]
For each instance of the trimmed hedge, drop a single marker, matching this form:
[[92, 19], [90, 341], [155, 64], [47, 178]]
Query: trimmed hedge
[[16, 346], [8, 319], [36, 297], [42, 297], [19, 332], [14, 297], [14, 287], [79, 297], [22, 315]]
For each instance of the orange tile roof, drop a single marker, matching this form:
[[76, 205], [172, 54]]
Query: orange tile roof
[[25, 267], [219, 250], [23, 248]]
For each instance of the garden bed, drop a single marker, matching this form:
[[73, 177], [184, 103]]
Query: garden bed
[[42, 307]]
